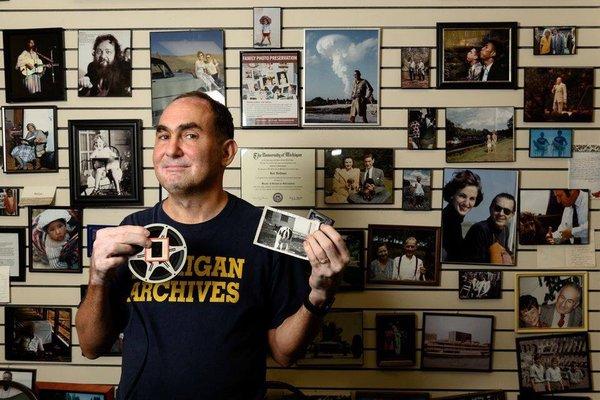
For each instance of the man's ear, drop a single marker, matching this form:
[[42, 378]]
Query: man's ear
[[229, 149]]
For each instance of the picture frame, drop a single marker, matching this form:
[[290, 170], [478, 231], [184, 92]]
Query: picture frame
[[547, 217], [56, 241], [9, 201], [12, 241], [476, 335], [327, 95], [486, 395], [544, 39], [404, 255], [480, 134], [479, 284], [267, 25], [104, 63], [388, 395], [537, 354], [66, 391], [416, 189], [422, 128], [16, 390], [346, 180], [269, 89], [396, 340], [550, 143], [416, 64], [547, 302], [558, 94], [458, 69], [106, 162], [30, 139], [353, 276], [475, 202], [45, 77], [25, 377], [117, 347], [91, 236], [38, 333], [179, 63]]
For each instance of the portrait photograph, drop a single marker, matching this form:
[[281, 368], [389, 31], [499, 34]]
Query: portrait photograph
[[551, 302], [269, 89], [396, 340], [422, 128], [415, 67], [106, 162], [387, 395], [478, 216], [550, 143], [455, 342], [476, 285], [29, 139], [9, 202], [558, 94], [491, 395], [34, 61], [104, 63], [25, 377], [75, 391], [477, 55], [341, 77], [12, 245], [359, 176], [10, 389], [339, 342], [267, 27], [416, 189], [553, 364], [186, 61], [353, 276], [480, 134], [55, 239], [554, 40], [403, 255], [554, 217], [38, 333]]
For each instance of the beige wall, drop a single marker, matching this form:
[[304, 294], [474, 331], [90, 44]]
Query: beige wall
[[403, 23]]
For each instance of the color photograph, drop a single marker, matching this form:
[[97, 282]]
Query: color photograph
[[416, 189], [9, 202], [415, 67], [554, 40], [550, 143], [396, 337], [267, 27], [341, 76], [422, 128]]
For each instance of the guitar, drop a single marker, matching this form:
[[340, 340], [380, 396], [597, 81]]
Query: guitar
[[37, 69]]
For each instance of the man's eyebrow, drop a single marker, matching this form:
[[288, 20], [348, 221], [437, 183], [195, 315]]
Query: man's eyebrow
[[180, 128]]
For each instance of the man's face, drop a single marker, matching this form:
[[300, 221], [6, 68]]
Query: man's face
[[502, 211], [187, 154], [30, 44], [409, 247], [472, 55], [382, 252], [488, 51], [356, 75], [368, 162], [105, 53], [530, 317], [7, 376], [558, 81], [568, 299], [564, 199]]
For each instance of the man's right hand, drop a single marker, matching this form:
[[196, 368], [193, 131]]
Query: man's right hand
[[112, 248], [85, 82]]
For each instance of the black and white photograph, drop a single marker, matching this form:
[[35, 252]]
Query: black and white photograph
[[12, 389], [55, 239], [319, 216], [551, 302], [379, 395], [29, 139], [396, 340], [38, 333], [554, 40], [415, 67], [106, 164], [25, 377], [104, 63], [554, 217], [422, 128], [404, 255], [476, 285], [416, 189], [491, 395], [478, 216], [34, 65], [457, 342], [12, 251], [284, 232], [339, 342], [554, 363], [267, 27], [353, 277], [9, 202]]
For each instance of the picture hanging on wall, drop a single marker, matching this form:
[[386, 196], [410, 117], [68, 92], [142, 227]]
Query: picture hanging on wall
[[476, 285], [341, 77], [104, 63], [416, 189], [554, 40], [34, 65], [422, 128], [74, 391], [9, 202], [12, 243], [396, 340], [25, 377], [353, 277], [415, 67], [267, 27], [477, 55], [550, 143]]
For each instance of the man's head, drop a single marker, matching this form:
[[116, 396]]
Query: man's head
[[569, 297], [490, 50], [106, 50], [368, 160], [559, 133], [502, 209], [472, 55], [566, 197], [529, 311], [410, 246], [382, 251], [542, 134], [30, 44], [558, 80], [356, 74], [7, 376]]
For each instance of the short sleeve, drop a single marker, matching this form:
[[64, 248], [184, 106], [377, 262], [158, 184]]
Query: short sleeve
[[288, 287]]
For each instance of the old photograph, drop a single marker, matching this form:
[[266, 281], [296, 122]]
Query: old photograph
[[353, 277], [416, 189], [415, 67], [396, 340], [554, 40], [422, 128], [550, 143], [25, 377], [267, 27], [9, 202], [473, 284]]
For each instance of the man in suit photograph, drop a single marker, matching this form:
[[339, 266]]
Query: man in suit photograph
[[489, 54], [372, 179], [573, 228], [566, 311]]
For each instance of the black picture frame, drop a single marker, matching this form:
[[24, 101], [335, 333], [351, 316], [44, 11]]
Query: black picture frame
[[488, 284], [50, 49], [22, 390], [500, 32], [20, 263], [430, 343], [14, 192], [391, 330], [31, 372], [122, 143], [353, 277]]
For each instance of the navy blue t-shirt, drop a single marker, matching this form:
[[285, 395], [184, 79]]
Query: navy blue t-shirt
[[207, 328]]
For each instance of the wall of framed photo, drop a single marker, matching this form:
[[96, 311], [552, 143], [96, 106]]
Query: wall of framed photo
[[431, 117]]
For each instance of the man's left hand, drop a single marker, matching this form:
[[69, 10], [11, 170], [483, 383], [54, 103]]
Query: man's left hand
[[328, 255]]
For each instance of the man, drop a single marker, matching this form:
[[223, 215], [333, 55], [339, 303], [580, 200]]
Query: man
[[361, 92], [475, 67], [108, 74], [421, 70], [558, 42], [560, 96], [409, 267], [537, 374], [573, 226], [541, 144], [411, 69], [566, 311], [32, 68], [559, 144], [381, 268], [554, 376], [377, 193], [205, 334], [490, 54], [487, 241], [6, 391], [283, 238]]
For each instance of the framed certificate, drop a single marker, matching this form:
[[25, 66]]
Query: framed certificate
[[12, 253]]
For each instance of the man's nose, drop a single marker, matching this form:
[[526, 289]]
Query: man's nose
[[174, 147]]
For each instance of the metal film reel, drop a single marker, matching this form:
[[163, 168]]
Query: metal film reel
[[156, 268]]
